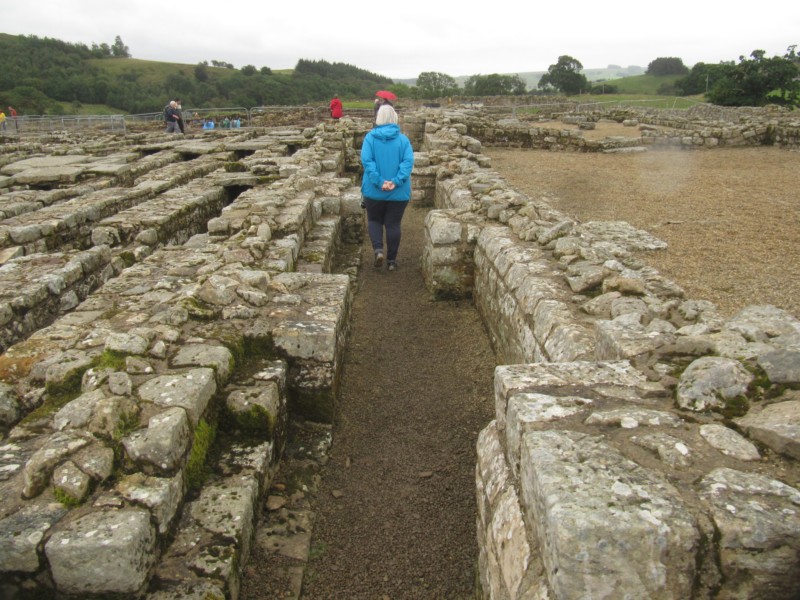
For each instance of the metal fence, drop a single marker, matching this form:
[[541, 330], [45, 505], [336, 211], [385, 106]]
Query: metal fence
[[41, 124], [194, 119]]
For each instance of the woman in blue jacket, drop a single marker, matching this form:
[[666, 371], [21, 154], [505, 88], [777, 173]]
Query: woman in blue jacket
[[388, 159]]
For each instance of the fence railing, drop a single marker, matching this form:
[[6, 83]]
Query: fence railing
[[49, 124], [194, 118]]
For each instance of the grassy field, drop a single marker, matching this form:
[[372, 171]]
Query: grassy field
[[643, 100], [148, 71]]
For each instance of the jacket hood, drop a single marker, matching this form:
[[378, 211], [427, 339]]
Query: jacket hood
[[386, 132]]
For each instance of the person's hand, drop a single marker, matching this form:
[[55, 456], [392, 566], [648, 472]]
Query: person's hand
[[388, 186]]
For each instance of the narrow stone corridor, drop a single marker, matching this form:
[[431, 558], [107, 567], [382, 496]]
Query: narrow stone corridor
[[393, 514]]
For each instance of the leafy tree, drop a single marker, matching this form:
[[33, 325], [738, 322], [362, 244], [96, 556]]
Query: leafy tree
[[119, 50], [667, 66], [404, 90], [758, 81], [494, 85], [604, 88], [565, 76], [101, 51], [201, 72], [265, 71], [702, 78], [436, 85]]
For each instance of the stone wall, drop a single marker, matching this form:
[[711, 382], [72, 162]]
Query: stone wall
[[212, 316], [642, 446]]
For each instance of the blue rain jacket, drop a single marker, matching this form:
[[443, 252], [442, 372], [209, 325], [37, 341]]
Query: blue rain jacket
[[386, 155]]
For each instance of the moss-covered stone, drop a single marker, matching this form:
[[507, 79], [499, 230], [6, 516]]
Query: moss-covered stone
[[735, 407], [235, 167], [200, 311], [196, 470], [255, 420], [65, 499]]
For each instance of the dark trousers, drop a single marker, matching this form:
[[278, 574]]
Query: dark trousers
[[385, 214]]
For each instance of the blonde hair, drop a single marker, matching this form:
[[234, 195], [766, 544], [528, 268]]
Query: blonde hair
[[386, 115]]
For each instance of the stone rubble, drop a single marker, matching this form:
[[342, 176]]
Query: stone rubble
[[181, 299]]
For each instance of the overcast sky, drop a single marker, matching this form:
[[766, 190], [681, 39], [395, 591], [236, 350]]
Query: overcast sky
[[402, 39]]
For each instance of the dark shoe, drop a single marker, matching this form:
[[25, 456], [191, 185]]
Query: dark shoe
[[378, 259], [392, 265]]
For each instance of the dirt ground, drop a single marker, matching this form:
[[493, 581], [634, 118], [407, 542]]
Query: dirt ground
[[394, 497], [730, 217]]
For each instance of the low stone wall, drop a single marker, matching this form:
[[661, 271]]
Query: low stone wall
[[640, 440], [649, 128]]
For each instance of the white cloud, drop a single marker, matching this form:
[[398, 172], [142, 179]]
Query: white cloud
[[403, 39]]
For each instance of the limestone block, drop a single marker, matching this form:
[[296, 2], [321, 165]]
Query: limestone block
[[443, 229], [164, 443], [507, 539], [96, 460], [42, 463], [525, 410], [729, 442], [533, 289], [761, 323], [103, 552], [71, 481], [110, 415], [671, 450], [781, 365], [583, 276], [491, 471], [604, 525], [631, 418], [161, 495], [759, 533], [65, 369], [10, 409], [190, 390], [547, 315], [569, 342], [616, 339], [77, 413], [228, 509], [205, 355], [710, 381], [776, 425], [614, 380], [492, 241], [22, 533], [257, 409]]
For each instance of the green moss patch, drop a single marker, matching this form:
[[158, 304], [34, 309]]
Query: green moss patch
[[196, 467]]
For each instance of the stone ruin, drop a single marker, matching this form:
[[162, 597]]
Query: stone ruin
[[170, 301]]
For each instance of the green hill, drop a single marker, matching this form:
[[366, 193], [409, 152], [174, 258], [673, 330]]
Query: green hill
[[47, 76]]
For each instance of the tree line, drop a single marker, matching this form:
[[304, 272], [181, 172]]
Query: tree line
[[41, 75], [754, 81]]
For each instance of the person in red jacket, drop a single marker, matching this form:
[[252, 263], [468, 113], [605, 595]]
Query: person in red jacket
[[336, 108]]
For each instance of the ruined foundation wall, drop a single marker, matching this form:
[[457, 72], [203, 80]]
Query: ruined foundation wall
[[216, 315]]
